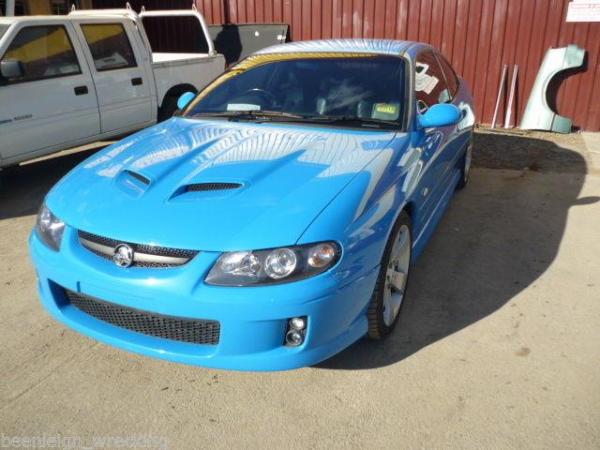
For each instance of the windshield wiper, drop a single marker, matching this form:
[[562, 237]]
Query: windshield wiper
[[350, 120], [252, 115], [281, 116]]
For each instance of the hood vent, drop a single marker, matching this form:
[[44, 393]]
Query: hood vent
[[200, 187], [141, 178], [132, 183]]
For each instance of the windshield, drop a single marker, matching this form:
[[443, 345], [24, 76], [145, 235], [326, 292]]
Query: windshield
[[3, 29], [339, 90]]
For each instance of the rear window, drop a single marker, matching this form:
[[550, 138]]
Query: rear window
[[172, 35], [109, 45]]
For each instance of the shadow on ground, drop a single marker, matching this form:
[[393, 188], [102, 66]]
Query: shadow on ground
[[23, 188], [497, 238]]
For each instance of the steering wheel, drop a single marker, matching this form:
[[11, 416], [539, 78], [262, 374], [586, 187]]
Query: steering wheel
[[269, 98]]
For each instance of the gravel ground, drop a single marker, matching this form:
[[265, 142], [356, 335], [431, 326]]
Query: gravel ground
[[498, 347]]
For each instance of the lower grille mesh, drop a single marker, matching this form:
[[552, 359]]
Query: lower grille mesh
[[196, 331]]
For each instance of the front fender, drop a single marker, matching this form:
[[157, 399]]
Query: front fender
[[363, 214]]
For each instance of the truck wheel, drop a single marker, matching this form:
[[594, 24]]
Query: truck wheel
[[168, 108]]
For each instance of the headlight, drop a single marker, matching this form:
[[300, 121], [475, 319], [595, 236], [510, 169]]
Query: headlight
[[277, 265], [50, 228]]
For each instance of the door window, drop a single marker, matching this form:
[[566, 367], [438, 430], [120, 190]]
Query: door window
[[430, 84], [451, 77], [109, 45], [43, 52]]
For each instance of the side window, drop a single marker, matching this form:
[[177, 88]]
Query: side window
[[430, 83], [42, 52], [451, 77], [109, 45]]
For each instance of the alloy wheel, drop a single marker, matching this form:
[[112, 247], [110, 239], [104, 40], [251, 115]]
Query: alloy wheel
[[396, 275]]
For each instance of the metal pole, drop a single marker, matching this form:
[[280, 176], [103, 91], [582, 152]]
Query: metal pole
[[10, 8], [511, 96], [500, 92]]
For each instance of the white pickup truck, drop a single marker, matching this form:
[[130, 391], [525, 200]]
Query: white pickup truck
[[88, 76]]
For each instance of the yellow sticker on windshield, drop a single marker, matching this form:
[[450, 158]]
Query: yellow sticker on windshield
[[386, 108]]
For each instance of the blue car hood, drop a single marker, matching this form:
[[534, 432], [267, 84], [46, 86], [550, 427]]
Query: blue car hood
[[138, 190]]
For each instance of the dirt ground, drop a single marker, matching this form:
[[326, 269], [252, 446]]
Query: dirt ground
[[498, 347]]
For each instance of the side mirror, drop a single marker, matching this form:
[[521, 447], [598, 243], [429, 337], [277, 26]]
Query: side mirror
[[11, 68], [185, 100], [440, 115]]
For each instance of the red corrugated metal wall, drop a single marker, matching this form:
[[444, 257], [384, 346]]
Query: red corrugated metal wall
[[478, 36]]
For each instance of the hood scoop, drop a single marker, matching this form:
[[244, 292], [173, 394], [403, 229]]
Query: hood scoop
[[133, 183], [201, 187], [137, 176]]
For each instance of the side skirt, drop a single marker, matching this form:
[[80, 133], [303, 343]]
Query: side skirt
[[431, 224]]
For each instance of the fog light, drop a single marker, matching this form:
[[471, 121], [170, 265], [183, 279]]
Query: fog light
[[298, 323], [294, 338], [295, 332]]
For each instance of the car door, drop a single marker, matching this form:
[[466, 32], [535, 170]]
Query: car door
[[459, 137], [52, 102], [121, 82], [435, 143]]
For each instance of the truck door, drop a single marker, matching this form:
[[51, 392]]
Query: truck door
[[121, 82], [47, 98]]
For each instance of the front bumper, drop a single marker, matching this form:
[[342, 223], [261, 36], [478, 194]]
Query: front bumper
[[252, 320]]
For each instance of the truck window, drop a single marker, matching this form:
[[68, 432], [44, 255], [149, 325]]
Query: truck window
[[163, 40], [109, 45], [44, 52]]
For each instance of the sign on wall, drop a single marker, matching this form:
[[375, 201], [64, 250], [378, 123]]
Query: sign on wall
[[584, 11]]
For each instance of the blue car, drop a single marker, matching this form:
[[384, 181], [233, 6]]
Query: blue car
[[271, 223]]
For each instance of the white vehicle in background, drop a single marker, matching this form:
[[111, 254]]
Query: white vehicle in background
[[70, 80]]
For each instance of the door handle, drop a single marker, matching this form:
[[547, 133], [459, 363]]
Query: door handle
[[136, 81], [80, 90]]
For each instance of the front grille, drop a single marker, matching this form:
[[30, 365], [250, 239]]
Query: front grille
[[144, 255], [195, 331]]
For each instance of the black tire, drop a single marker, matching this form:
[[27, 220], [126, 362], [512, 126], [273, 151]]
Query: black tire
[[465, 167], [378, 329]]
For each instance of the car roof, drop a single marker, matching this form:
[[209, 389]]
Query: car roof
[[377, 46]]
